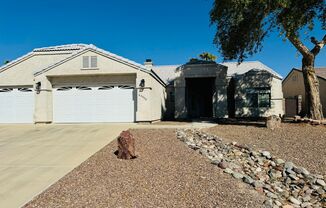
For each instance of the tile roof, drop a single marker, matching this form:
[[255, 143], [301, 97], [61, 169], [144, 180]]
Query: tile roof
[[168, 72], [244, 67], [321, 72], [84, 48], [67, 47]]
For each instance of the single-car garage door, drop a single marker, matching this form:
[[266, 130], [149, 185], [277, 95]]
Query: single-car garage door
[[93, 104], [16, 105]]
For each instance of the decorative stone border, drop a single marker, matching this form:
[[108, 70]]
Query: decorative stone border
[[284, 183], [298, 119]]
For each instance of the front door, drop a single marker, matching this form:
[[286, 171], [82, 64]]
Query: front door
[[199, 96]]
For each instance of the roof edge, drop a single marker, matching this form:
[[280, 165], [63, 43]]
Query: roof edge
[[16, 61], [299, 70], [106, 54]]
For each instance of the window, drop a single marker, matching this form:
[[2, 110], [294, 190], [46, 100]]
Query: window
[[83, 88], [125, 87], [93, 61], [6, 90], [294, 78], [85, 62], [259, 97], [264, 99], [106, 88], [252, 100], [89, 62], [24, 89], [64, 88]]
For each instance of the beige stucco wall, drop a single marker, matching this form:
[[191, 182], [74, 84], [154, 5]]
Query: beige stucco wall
[[293, 86], [22, 73], [148, 104], [258, 79]]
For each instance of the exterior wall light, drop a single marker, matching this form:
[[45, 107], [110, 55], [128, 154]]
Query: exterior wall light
[[142, 86], [142, 83], [38, 87]]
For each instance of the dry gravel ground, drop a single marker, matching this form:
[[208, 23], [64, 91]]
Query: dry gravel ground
[[303, 144], [166, 174]]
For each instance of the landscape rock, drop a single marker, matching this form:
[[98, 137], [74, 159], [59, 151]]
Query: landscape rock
[[294, 200], [126, 146], [287, 206], [279, 161], [228, 170], [284, 183], [273, 122], [248, 180], [223, 165], [321, 182], [266, 154], [237, 175], [268, 203]]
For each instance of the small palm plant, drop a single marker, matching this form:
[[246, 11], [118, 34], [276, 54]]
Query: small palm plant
[[207, 56]]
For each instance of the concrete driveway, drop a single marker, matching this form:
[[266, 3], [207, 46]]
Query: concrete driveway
[[32, 157]]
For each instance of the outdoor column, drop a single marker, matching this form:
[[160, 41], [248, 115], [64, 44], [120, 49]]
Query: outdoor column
[[180, 98]]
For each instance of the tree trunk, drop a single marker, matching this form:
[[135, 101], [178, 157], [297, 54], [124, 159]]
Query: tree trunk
[[313, 104]]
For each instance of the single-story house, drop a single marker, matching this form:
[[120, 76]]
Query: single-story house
[[294, 91], [83, 83], [221, 90]]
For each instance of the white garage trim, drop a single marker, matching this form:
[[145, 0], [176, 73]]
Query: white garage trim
[[16, 105], [85, 104]]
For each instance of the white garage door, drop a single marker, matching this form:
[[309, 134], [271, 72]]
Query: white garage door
[[16, 105], [93, 104]]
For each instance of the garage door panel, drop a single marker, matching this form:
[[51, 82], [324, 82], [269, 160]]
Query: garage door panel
[[16, 105], [96, 104]]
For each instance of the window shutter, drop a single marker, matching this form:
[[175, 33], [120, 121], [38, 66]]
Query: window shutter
[[85, 62], [93, 61]]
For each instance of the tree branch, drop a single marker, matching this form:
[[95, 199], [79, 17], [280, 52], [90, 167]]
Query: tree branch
[[318, 45], [299, 45]]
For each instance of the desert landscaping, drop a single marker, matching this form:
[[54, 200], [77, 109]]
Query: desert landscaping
[[167, 173]]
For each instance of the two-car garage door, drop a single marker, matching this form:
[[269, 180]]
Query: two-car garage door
[[93, 104], [71, 104], [16, 105]]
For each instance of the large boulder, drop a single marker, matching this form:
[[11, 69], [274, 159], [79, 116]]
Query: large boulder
[[273, 122], [126, 146]]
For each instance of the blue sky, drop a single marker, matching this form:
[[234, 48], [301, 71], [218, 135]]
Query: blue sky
[[169, 32]]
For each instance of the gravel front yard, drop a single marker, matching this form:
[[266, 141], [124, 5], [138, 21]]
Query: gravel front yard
[[303, 144], [166, 174]]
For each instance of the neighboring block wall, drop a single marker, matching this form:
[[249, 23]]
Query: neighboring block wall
[[247, 88]]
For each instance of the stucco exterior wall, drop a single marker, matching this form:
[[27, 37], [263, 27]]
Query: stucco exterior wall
[[252, 82], [217, 71], [108, 71], [293, 86], [158, 97], [22, 73]]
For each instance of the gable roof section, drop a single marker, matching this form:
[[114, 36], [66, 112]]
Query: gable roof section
[[69, 48], [320, 72], [105, 53], [168, 72], [96, 50], [234, 68]]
